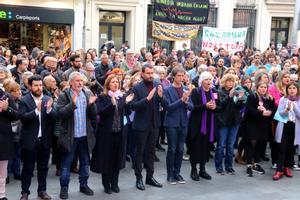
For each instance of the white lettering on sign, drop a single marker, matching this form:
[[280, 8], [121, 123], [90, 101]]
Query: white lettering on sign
[[28, 18]]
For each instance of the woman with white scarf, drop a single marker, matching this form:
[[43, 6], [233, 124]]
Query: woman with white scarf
[[108, 156]]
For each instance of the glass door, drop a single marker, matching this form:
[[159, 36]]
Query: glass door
[[112, 27], [280, 32]]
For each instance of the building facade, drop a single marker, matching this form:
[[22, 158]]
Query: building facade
[[98, 21]]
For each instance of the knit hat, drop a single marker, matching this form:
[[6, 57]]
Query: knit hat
[[203, 76]]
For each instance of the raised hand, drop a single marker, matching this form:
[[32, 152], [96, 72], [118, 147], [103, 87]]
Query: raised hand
[[4, 105], [92, 99], [74, 97], [49, 104], [151, 94], [39, 105], [159, 90], [129, 98]]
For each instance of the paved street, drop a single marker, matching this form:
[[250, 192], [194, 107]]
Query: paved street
[[231, 187]]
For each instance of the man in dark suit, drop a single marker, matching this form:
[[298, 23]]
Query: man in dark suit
[[37, 115], [148, 98], [176, 124]]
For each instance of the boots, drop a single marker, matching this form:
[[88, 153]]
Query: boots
[[239, 159]]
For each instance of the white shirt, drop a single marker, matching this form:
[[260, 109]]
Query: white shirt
[[38, 113]]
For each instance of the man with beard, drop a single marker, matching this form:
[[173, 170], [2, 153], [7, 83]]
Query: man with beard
[[220, 68], [76, 63], [148, 98], [37, 116]]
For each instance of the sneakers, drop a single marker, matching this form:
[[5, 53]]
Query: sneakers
[[220, 172], [186, 157], [274, 166], [258, 169], [277, 175], [179, 179], [249, 171], [296, 167], [230, 171], [171, 180]]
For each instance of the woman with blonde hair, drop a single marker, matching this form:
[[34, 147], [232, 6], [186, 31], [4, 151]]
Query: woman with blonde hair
[[229, 102], [260, 108], [108, 156]]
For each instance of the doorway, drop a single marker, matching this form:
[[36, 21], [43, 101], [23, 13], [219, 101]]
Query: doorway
[[112, 27], [280, 31]]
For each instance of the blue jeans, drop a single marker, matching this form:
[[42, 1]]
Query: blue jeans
[[80, 146], [176, 139], [14, 165], [226, 139]]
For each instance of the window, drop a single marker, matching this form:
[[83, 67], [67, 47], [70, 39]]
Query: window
[[245, 16]]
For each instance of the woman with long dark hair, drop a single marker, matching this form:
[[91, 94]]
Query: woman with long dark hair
[[287, 130]]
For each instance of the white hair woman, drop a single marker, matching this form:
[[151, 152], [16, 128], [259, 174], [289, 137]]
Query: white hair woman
[[201, 135]]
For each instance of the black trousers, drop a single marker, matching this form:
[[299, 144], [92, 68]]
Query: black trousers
[[39, 155], [286, 148], [111, 177], [145, 141], [253, 150]]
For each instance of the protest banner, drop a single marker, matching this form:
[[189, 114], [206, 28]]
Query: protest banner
[[181, 11], [173, 32], [231, 40]]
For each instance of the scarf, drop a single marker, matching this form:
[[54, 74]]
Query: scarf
[[296, 98], [204, 116], [117, 94]]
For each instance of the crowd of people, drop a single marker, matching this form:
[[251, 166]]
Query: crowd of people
[[92, 113]]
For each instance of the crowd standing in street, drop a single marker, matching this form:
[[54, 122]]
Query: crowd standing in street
[[92, 112]]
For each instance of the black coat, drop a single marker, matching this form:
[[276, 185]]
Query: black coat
[[228, 112], [258, 126], [198, 144], [6, 135], [104, 160], [30, 122], [65, 111], [145, 110]]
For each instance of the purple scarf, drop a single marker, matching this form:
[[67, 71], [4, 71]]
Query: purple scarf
[[204, 116], [296, 98]]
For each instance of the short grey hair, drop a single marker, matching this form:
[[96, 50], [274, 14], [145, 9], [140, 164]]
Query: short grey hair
[[27, 75], [73, 75]]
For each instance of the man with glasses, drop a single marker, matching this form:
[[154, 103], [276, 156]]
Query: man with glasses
[[76, 66]]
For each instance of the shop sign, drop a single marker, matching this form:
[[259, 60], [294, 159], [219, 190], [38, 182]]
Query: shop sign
[[231, 40], [36, 14], [181, 11]]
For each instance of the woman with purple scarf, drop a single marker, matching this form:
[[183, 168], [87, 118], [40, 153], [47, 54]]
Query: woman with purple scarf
[[288, 130], [201, 125]]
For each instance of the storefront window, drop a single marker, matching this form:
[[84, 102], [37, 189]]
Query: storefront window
[[14, 34]]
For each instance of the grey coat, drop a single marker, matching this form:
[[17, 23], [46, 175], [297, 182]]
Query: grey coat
[[65, 110]]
